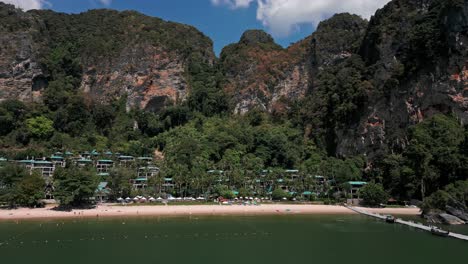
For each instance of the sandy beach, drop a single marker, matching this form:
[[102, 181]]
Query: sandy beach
[[183, 210]]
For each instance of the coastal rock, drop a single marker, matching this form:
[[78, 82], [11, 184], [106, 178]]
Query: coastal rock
[[463, 215], [450, 219]]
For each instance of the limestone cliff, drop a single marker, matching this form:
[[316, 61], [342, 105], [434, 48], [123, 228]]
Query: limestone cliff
[[261, 74], [416, 51], [120, 54]]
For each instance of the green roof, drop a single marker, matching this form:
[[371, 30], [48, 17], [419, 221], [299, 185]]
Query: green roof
[[68, 153], [56, 157], [3, 159], [102, 187], [168, 179], [42, 162], [106, 161], [307, 193], [141, 179], [145, 158], [103, 174], [108, 153], [84, 160], [26, 161]]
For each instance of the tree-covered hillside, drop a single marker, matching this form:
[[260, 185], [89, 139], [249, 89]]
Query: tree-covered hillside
[[381, 101]]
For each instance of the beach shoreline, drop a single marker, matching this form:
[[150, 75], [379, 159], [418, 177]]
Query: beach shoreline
[[116, 211]]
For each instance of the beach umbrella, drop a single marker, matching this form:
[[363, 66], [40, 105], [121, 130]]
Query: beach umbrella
[[200, 198], [179, 198], [135, 199], [250, 198], [151, 199], [120, 199], [241, 198], [284, 198], [143, 198], [128, 199], [159, 199], [171, 198]]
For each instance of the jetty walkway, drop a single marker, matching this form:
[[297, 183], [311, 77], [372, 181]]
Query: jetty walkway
[[403, 222]]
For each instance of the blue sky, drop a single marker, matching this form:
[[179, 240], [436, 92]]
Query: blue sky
[[224, 21]]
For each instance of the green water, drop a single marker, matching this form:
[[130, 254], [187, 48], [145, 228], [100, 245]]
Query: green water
[[279, 239]]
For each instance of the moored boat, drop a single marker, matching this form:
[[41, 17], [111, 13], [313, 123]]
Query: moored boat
[[390, 219], [439, 232]]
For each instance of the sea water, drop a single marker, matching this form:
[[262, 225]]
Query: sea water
[[225, 239]]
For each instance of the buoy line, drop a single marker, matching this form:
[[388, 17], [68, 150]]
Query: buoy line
[[217, 236]]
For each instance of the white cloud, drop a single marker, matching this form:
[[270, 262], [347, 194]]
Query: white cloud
[[232, 3], [284, 16], [27, 4], [106, 2]]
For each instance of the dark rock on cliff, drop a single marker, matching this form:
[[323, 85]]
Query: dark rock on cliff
[[258, 37], [336, 39], [416, 53]]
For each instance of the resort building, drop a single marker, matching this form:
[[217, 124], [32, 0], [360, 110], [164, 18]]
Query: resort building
[[355, 187], [125, 160], [144, 160], [83, 162], [144, 174], [46, 168], [58, 161], [104, 165], [168, 184], [102, 192]]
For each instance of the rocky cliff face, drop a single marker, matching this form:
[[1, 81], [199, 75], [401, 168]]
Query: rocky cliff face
[[417, 55], [261, 74], [20, 73], [120, 53]]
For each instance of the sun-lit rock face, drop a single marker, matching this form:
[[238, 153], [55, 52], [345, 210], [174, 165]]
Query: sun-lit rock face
[[145, 60], [263, 75], [260, 74], [149, 77]]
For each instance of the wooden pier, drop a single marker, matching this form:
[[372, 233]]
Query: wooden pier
[[404, 222]]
